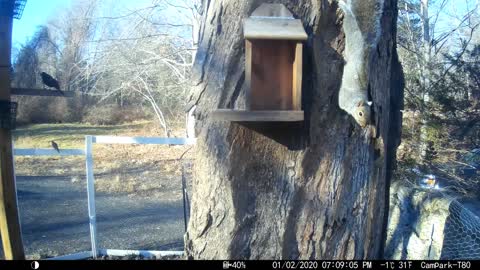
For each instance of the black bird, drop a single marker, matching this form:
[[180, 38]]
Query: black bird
[[55, 146], [50, 81]]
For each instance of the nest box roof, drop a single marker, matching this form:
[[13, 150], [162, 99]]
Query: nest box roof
[[273, 21]]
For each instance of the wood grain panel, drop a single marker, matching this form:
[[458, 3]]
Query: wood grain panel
[[248, 73], [272, 10], [271, 28], [297, 77], [272, 74]]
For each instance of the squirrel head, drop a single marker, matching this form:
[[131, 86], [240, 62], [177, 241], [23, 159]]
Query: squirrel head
[[361, 113]]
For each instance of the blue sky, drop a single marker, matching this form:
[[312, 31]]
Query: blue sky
[[36, 13]]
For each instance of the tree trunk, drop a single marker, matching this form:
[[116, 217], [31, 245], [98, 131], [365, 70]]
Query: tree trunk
[[319, 191]]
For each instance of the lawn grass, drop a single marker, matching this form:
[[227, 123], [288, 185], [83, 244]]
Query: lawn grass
[[71, 135], [144, 170]]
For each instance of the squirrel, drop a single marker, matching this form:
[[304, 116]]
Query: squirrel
[[361, 25]]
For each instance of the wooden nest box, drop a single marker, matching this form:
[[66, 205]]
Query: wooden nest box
[[273, 67]]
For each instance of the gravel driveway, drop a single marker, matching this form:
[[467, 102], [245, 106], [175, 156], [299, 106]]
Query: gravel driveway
[[54, 218]]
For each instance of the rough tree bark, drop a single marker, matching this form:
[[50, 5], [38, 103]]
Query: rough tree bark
[[318, 191]]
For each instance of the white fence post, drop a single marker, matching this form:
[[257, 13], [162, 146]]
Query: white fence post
[[91, 195], [88, 152]]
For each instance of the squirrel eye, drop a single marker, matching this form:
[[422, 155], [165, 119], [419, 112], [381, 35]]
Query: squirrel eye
[[360, 113]]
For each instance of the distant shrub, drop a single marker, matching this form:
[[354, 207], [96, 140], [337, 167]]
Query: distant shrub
[[113, 114], [34, 110]]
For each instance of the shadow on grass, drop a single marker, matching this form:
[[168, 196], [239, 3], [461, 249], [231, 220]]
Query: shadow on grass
[[70, 129]]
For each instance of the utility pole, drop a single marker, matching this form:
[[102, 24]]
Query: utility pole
[[9, 219]]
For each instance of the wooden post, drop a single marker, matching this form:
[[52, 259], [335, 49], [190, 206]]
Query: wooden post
[[40, 92], [9, 220]]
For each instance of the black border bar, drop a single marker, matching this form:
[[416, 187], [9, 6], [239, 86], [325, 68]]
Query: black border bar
[[241, 264]]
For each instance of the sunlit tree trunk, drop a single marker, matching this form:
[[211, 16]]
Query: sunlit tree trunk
[[318, 191]]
